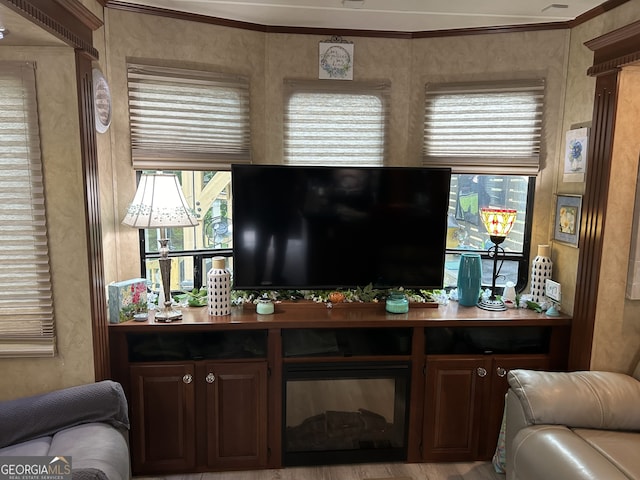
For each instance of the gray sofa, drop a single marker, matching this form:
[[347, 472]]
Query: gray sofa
[[88, 423], [573, 425]]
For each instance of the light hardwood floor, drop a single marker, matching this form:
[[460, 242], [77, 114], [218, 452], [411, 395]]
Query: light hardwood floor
[[377, 471]]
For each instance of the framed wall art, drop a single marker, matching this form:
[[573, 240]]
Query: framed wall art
[[575, 157], [335, 59], [567, 220]]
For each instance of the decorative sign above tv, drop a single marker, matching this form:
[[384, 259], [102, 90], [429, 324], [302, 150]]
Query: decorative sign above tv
[[332, 227]]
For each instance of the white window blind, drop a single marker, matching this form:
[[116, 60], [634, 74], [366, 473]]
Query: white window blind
[[335, 123], [26, 305], [187, 119], [484, 128]]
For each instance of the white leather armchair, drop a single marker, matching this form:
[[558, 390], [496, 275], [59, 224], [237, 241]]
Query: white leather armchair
[[573, 425]]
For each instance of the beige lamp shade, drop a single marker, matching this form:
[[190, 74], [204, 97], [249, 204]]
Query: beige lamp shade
[[159, 202]]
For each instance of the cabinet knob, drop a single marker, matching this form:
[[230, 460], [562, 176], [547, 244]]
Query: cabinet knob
[[210, 378], [501, 371], [188, 378], [482, 372]]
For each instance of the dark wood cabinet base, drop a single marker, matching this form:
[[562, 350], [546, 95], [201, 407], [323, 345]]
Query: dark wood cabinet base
[[206, 393]]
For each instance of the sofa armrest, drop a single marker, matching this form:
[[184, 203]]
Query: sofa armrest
[[590, 399], [43, 415]]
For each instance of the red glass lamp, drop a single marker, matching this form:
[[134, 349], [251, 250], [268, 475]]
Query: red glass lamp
[[498, 222]]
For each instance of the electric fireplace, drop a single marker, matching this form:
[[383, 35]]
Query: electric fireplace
[[345, 412]]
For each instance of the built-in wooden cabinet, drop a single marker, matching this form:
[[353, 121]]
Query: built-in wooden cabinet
[[168, 401], [236, 413], [198, 400], [464, 403], [163, 418], [206, 393]]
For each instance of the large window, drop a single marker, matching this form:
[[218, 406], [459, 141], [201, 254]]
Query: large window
[[26, 303], [490, 135], [194, 123]]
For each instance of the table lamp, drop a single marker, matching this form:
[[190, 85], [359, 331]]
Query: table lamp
[[160, 203], [498, 222]]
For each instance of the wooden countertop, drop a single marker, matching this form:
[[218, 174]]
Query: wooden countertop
[[317, 315]]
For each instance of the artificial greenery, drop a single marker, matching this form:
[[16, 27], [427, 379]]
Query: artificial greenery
[[198, 297], [346, 295], [195, 298]]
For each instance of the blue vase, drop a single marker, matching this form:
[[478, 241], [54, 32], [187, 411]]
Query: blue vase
[[469, 279]]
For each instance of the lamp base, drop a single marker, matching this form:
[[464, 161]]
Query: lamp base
[[168, 315], [494, 305], [552, 311]]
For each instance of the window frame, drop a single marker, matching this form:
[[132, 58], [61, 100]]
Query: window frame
[[516, 164], [521, 258]]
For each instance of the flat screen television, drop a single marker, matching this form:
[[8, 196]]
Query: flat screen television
[[338, 227]]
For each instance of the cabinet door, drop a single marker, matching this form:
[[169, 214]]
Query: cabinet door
[[454, 389], [162, 418], [236, 411], [500, 366]]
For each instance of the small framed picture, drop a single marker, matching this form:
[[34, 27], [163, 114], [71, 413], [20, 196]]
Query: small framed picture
[[567, 220], [336, 61], [552, 290], [575, 159]]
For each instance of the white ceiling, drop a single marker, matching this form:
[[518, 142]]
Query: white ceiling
[[383, 15], [388, 15]]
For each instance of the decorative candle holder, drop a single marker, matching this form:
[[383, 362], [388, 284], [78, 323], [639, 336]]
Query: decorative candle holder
[[397, 303]]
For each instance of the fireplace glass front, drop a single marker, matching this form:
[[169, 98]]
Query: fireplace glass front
[[345, 412]]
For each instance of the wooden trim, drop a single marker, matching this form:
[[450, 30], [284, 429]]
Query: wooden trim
[[611, 66], [416, 399], [82, 13], [615, 49], [528, 27], [97, 289], [617, 38], [274, 401], [594, 205], [59, 21], [596, 11]]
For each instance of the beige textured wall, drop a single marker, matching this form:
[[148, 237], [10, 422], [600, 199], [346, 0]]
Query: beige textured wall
[[60, 140], [616, 336]]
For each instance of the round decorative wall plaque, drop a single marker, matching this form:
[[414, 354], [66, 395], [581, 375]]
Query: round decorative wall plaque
[[101, 101]]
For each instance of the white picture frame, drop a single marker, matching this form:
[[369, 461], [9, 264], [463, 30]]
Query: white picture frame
[[575, 157], [553, 290], [335, 61]]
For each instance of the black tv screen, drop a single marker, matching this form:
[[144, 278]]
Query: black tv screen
[[333, 227]]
